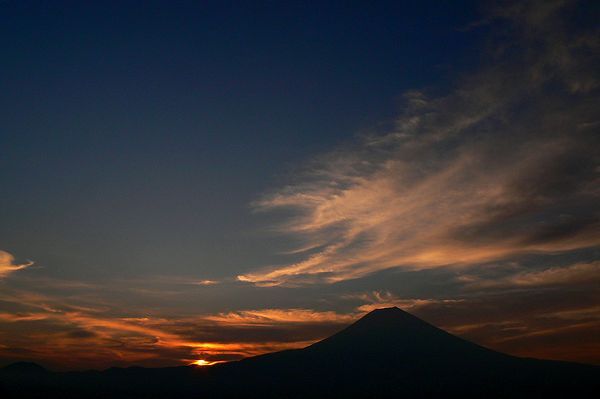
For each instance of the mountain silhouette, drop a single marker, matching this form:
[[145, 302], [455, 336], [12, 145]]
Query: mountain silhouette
[[388, 353]]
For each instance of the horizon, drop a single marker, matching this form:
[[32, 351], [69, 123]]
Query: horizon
[[202, 182], [203, 363], [379, 312]]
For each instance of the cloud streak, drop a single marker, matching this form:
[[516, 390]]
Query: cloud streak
[[505, 166], [9, 266], [583, 273], [270, 317]]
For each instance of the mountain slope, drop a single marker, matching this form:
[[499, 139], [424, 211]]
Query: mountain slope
[[386, 354], [391, 353]]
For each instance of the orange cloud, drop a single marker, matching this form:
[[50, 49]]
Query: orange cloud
[[364, 224], [278, 316], [8, 265], [15, 317]]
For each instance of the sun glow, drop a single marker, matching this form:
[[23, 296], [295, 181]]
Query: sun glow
[[202, 363]]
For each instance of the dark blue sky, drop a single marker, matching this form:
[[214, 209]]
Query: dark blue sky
[[141, 132]]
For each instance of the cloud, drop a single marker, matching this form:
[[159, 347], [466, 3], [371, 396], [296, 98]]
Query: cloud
[[583, 273], [591, 312], [504, 166], [8, 264], [206, 282], [385, 299], [272, 317], [16, 317]]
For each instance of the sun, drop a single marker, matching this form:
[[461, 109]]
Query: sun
[[202, 362]]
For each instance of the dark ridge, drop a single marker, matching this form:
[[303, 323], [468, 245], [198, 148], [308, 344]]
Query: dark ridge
[[24, 367]]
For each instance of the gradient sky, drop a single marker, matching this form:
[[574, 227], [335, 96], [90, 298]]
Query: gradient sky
[[212, 180]]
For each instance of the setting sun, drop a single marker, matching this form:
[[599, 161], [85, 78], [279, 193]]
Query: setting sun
[[202, 362]]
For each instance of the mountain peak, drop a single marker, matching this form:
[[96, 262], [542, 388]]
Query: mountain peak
[[392, 332], [390, 310], [388, 317]]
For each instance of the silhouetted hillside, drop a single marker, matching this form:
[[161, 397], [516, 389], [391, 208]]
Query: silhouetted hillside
[[387, 353]]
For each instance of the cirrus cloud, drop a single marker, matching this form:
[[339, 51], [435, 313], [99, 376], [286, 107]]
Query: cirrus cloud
[[506, 165]]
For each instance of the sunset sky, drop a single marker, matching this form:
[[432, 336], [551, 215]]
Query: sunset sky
[[185, 181]]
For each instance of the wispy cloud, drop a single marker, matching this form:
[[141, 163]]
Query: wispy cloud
[[8, 264], [272, 317], [505, 165], [206, 282], [575, 274]]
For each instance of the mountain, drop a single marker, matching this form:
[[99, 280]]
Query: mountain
[[386, 354], [391, 353]]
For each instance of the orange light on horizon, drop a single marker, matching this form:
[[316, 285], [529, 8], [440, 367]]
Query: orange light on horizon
[[203, 363]]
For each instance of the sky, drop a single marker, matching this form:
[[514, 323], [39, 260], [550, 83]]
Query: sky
[[185, 181]]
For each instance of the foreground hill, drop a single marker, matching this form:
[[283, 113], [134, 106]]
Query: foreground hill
[[386, 354]]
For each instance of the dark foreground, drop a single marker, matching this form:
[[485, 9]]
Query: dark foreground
[[386, 354]]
